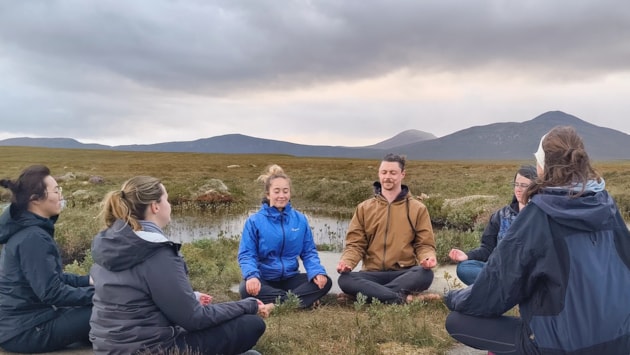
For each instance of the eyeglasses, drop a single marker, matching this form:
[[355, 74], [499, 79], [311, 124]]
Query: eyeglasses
[[58, 190], [521, 185]]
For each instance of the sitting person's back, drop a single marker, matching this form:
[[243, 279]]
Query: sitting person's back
[[143, 299]]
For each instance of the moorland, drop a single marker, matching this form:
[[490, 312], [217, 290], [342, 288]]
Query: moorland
[[460, 196]]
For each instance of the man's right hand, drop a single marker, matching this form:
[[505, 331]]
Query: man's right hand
[[343, 267]]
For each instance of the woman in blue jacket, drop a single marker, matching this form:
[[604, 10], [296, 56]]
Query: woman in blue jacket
[[42, 309], [565, 262], [272, 240]]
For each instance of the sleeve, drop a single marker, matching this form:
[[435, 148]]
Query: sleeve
[[356, 240], [510, 273], [172, 293], [424, 240], [488, 239], [248, 251], [41, 264], [76, 280], [309, 254]]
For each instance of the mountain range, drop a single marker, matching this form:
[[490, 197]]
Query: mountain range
[[497, 141]]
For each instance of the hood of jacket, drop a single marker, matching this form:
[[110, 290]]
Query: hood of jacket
[[404, 190], [592, 211], [10, 224], [120, 248]]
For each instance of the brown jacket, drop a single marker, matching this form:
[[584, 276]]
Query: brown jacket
[[382, 234]]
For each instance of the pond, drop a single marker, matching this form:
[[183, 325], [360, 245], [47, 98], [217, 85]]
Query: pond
[[329, 231], [188, 227]]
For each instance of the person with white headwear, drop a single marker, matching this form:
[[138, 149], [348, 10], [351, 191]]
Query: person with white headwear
[[565, 262]]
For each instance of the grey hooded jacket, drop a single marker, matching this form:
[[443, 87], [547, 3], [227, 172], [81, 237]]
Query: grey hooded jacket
[[143, 296]]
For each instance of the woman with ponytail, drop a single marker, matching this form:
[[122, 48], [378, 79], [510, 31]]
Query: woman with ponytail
[[144, 301]]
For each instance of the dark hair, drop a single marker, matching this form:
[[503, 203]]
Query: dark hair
[[131, 201], [527, 171], [28, 187], [566, 162], [395, 158]]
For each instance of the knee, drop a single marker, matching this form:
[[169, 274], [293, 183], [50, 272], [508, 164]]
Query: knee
[[329, 283], [453, 320], [242, 290], [255, 324], [426, 274]]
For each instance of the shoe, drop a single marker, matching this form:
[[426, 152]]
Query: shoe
[[344, 298], [251, 352]]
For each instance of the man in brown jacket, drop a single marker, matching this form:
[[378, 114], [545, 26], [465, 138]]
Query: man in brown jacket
[[391, 234]]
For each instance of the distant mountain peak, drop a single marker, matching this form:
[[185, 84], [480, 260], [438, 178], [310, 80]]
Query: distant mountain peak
[[557, 117], [403, 138], [501, 140]]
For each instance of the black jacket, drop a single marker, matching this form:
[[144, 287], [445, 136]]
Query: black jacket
[[33, 285]]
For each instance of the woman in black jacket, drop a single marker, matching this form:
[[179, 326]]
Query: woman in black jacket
[[42, 308]]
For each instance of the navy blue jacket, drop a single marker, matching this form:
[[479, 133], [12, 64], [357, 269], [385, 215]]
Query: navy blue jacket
[[271, 243], [566, 263], [33, 286], [495, 231]]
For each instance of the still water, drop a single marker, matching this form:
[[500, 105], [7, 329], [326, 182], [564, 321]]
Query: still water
[[187, 228]]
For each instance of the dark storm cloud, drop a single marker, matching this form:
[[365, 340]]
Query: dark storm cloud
[[225, 46]]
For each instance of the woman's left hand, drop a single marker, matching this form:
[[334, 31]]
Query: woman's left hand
[[205, 299], [320, 281]]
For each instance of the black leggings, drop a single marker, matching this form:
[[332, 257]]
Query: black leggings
[[498, 335], [386, 286], [307, 291], [235, 336], [70, 327]]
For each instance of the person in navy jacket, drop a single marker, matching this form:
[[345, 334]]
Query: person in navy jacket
[[272, 241], [42, 308], [565, 261]]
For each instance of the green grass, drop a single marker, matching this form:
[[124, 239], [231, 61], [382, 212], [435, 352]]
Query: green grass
[[460, 197]]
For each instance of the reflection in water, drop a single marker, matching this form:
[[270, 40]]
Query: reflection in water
[[190, 227]]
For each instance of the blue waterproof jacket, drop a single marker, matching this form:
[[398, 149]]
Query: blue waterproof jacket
[[566, 263], [271, 243], [33, 286]]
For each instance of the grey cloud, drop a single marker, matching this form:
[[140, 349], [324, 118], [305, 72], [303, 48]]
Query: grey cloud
[[228, 46]]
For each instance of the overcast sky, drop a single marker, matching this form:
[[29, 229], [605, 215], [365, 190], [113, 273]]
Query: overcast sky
[[327, 72]]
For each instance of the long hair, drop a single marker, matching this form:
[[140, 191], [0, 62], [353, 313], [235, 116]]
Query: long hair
[[29, 186], [131, 201], [566, 162], [272, 172]]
